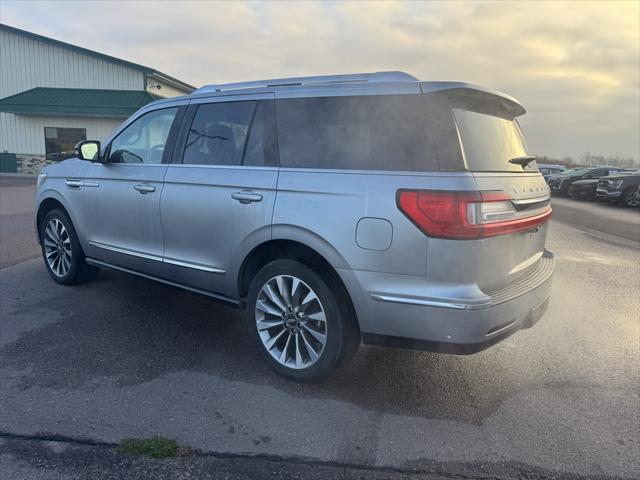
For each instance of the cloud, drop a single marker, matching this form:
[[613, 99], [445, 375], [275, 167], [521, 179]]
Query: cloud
[[575, 65]]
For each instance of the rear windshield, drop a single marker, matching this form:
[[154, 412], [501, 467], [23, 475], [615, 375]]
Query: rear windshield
[[369, 132], [490, 142]]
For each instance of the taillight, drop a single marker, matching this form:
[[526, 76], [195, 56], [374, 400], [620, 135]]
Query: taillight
[[464, 215]]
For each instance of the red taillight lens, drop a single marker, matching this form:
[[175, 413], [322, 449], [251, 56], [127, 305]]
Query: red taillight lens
[[463, 215]]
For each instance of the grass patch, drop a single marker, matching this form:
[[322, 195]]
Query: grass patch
[[155, 447]]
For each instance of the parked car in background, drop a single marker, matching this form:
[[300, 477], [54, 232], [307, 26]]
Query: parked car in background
[[547, 169], [583, 189], [326, 230], [560, 184], [622, 187], [551, 177]]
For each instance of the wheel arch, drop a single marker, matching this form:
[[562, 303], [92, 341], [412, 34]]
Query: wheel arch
[[45, 206], [49, 200], [286, 248]]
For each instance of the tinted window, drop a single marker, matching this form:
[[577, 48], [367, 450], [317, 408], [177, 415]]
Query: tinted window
[[490, 142], [579, 172], [261, 145], [143, 141], [232, 133], [595, 173], [377, 132]]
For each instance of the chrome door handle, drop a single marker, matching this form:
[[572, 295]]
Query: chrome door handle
[[246, 196], [80, 183], [145, 188]]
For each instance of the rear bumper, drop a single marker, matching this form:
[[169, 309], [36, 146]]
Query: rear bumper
[[460, 326], [603, 194], [528, 321]]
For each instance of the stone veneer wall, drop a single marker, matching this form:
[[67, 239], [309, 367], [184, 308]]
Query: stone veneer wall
[[31, 164]]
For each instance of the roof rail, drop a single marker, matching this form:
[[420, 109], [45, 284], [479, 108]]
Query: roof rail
[[317, 80]]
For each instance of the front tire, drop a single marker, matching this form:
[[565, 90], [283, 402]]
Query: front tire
[[61, 250], [301, 322], [629, 198]]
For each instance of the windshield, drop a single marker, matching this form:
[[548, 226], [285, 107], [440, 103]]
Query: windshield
[[490, 142]]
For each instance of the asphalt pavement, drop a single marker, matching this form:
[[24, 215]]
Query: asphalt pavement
[[82, 368]]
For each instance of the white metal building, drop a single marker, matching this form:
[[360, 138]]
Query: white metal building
[[54, 94]]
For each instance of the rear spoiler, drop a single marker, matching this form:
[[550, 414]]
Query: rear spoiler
[[478, 98]]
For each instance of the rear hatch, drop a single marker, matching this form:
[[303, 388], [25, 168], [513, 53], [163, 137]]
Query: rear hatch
[[495, 152]]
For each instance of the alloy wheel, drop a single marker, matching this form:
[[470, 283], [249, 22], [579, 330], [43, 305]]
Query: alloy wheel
[[57, 247], [291, 321]]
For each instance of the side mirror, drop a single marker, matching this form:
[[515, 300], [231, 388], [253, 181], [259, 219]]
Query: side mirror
[[88, 150]]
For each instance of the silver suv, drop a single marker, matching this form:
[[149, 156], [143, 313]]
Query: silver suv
[[335, 210]]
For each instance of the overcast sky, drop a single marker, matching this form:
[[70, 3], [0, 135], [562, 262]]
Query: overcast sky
[[575, 65]]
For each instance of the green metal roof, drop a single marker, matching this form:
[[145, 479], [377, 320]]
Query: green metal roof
[[102, 56], [77, 101]]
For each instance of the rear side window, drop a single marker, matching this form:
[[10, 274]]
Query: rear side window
[[232, 133], [377, 132]]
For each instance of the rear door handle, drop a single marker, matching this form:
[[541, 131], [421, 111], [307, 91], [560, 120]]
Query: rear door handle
[[145, 188], [246, 196]]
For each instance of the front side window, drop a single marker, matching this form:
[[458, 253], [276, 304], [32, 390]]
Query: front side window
[[232, 134], [60, 142], [144, 140]]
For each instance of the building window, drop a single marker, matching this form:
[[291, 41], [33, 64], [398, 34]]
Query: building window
[[60, 142]]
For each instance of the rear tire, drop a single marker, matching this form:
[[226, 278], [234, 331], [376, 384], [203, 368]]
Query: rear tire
[[61, 250], [302, 323]]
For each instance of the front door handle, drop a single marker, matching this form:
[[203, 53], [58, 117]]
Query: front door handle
[[143, 189], [246, 196], [80, 183]]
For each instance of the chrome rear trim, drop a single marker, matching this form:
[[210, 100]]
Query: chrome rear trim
[[527, 201], [431, 303], [539, 274], [502, 329]]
